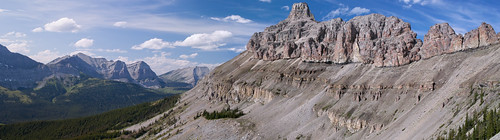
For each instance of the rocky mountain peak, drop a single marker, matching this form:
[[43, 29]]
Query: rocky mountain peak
[[3, 49], [300, 11], [369, 39], [442, 39]]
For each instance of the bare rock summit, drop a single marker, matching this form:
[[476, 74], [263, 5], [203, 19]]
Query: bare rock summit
[[370, 39]]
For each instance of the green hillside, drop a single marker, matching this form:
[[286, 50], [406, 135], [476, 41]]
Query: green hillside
[[106, 125], [72, 97]]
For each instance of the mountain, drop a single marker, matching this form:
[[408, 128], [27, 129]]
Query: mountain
[[19, 71], [366, 78], [71, 97], [139, 72], [185, 76], [143, 75]]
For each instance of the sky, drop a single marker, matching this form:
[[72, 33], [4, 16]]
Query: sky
[[172, 34]]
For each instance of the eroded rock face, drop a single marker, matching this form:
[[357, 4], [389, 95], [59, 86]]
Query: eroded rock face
[[441, 39], [370, 39]]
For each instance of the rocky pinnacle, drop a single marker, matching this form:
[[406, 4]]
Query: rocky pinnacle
[[300, 11]]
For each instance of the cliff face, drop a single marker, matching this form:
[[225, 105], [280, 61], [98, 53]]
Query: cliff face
[[142, 73], [441, 39], [378, 87], [371, 39]]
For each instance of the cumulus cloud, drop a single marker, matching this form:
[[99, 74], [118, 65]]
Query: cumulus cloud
[[120, 24], [161, 64], [20, 47], [84, 43], [38, 29], [286, 8], [358, 11], [15, 42], [268, 1], [206, 41], [203, 41], [345, 10], [46, 56], [233, 18], [62, 25], [154, 44], [188, 56]]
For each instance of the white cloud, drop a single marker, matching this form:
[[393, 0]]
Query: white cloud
[[38, 29], [154, 44], [206, 41], [3, 10], [112, 50], [14, 34], [358, 11], [19, 47], [269, 1], [120, 24], [46, 56], [84, 43], [286, 8], [234, 18], [410, 3], [188, 56], [345, 10], [237, 50], [62, 25], [161, 64], [14, 42]]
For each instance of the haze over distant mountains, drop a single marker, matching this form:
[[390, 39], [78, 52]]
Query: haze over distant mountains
[[19, 71]]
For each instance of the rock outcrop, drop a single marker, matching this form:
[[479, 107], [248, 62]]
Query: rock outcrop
[[370, 39], [142, 73], [442, 39]]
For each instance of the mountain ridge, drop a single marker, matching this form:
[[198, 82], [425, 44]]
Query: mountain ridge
[[363, 81]]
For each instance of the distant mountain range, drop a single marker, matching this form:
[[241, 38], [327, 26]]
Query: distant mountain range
[[185, 77], [19, 71]]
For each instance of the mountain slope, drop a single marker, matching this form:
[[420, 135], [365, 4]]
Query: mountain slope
[[360, 79], [70, 97], [139, 72], [190, 76], [142, 74], [19, 71]]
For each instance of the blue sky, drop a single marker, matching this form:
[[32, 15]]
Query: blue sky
[[171, 34]]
